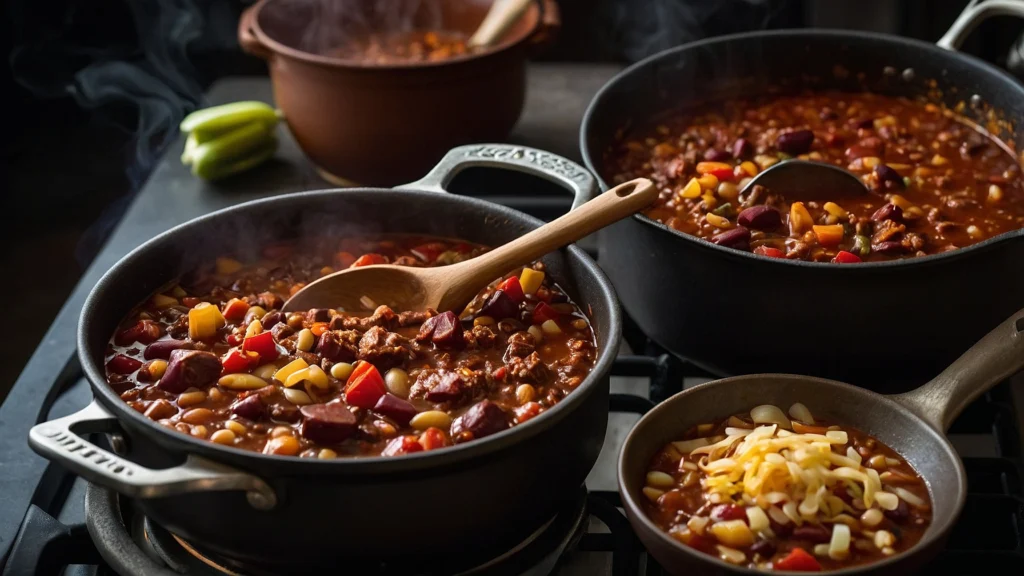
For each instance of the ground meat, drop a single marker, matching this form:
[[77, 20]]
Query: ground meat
[[528, 370], [520, 344], [338, 345], [414, 318], [179, 328], [270, 301], [886, 231], [438, 386], [479, 338], [382, 316], [281, 331], [384, 349]]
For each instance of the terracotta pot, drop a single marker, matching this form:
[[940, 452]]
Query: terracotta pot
[[376, 124]]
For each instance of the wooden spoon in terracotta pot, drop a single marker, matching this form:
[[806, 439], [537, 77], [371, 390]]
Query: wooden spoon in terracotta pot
[[452, 287], [503, 13]]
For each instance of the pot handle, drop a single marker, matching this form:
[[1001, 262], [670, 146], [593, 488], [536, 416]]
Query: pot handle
[[976, 12], [247, 39], [521, 158], [59, 440], [997, 356]]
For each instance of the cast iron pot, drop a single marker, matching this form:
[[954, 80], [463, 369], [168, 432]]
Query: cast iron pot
[[886, 325], [913, 424], [379, 125], [426, 512]]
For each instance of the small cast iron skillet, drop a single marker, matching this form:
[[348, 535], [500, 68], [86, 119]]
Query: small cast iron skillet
[[913, 424]]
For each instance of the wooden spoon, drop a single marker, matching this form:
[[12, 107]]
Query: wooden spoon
[[503, 13], [451, 287]]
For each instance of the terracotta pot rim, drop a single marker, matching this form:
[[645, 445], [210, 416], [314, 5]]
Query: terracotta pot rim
[[279, 49]]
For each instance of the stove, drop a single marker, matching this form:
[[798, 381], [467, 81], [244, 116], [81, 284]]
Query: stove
[[52, 523]]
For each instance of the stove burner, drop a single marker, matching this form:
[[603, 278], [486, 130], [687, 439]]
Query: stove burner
[[134, 544]]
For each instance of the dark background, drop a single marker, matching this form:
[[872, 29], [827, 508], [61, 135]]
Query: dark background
[[94, 89]]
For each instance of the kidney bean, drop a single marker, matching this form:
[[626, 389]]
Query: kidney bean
[[144, 331], [813, 532], [482, 419], [714, 155], [900, 514], [795, 142], [738, 238], [723, 512], [742, 148], [190, 369], [161, 349], [888, 212], [327, 423], [887, 175], [271, 318], [865, 123], [122, 364], [766, 548], [760, 218], [395, 408]]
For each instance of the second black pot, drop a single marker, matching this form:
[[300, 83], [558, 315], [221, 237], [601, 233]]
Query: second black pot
[[886, 326]]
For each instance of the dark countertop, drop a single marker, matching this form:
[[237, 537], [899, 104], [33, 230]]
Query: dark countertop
[[557, 97]]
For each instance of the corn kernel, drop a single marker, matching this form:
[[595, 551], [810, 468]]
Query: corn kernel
[[708, 181], [836, 210], [691, 190], [995, 193], [799, 218], [718, 221], [284, 372], [204, 320], [749, 168]]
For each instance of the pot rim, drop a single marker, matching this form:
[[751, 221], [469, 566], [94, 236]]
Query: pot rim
[[591, 164], [353, 64], [450, 456], [636, 514]]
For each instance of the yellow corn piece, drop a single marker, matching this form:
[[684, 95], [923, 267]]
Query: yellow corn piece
[[749, 168], [286, 371], [164, 301], [204, 320], [708, 181], [829, 235], [718, 221], [870, 162], [709, 200], [530, 280], [228, 266], [902, 202], [835, 210], [799, 218], [939, 160], [313, 374], [691, 190]]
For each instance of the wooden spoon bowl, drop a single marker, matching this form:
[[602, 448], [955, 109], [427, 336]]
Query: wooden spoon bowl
[[451, 287]]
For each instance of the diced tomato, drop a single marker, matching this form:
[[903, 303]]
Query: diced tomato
[[402, 445], [544, 312], [365, 386], [513, 289], [122, 364], [433, 438], [144, 331], [262, 344], [500, 373], [190, 301], [844, 257], [235, 309], [344, 259], [428, 252], [238, 361], [769, 252], [233, 339], [720, 170], [798, 560], [369, 259], [318, 328], [528, 411]]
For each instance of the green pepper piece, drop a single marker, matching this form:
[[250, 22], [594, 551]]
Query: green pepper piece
[[213, 121], [231, 146], [255, 157], [725, 210], [190, 147], [861, 245]]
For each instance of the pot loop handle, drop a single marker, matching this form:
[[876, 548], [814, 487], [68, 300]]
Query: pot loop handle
[[976, 12], [994, 358], [247, 39], [60, 440], [520, 158]]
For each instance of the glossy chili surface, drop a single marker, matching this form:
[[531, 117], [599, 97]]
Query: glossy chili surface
[[684, 505], [398, 47], [936, 183], [212, 356]]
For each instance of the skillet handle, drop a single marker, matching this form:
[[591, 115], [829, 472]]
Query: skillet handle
[[521, 158], [997, 356], [59, 440], [975, 13]]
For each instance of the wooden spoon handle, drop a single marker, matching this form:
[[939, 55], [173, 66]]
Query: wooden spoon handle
[[501, 15], [612, 206]]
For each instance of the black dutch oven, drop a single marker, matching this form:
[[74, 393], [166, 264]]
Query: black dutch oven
[[426, 513], [886, 325]]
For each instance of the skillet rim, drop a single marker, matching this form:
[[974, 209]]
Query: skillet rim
[[817, 33], [260, 463], [636, 514]]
